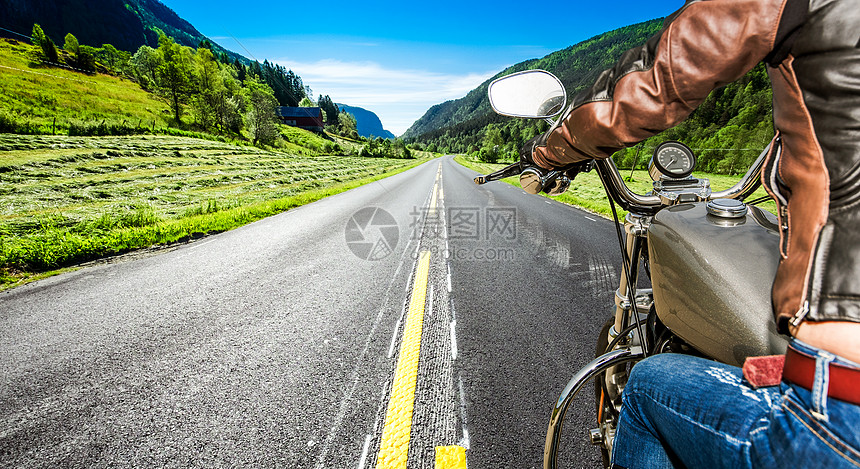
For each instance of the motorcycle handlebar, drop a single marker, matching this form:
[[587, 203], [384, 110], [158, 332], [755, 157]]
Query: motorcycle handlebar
[[749, 183], [623, 196], [645, 204]]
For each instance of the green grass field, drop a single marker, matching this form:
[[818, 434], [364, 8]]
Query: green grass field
[[587, 192], [66, 200]]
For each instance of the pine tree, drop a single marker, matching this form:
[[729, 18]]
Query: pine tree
[[331, 111]]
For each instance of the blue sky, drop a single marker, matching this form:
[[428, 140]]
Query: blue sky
[[399, 58]]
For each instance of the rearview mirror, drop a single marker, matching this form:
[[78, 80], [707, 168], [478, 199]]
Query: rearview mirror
[[534, 94]]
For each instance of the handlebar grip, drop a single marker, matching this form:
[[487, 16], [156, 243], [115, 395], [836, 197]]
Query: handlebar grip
[[481, 180]]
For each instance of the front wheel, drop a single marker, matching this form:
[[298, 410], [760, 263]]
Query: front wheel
[[608, 388]]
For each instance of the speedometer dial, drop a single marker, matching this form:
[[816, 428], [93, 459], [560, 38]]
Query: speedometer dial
[[674, 159]]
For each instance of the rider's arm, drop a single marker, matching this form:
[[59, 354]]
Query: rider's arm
[[706, 44]]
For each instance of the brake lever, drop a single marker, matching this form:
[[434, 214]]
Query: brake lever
[[532, 178], [508, 171]]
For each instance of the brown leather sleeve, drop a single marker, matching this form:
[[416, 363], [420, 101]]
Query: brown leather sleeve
[[706, 44]]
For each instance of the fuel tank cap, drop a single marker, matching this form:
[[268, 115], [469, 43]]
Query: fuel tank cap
[[727, 208]]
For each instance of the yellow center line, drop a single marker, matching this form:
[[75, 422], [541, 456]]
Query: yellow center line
[[433, 199], [450, 457], [394, 445]]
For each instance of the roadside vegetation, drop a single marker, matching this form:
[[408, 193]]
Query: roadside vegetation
[[587, 192], [170, 89], [67, 200], [103, 151]]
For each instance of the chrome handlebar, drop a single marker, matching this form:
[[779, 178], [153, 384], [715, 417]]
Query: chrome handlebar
[[651, 203], [623, 196], [749, 183]]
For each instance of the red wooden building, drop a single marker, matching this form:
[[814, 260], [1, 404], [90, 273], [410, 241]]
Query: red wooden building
[[308, 118]]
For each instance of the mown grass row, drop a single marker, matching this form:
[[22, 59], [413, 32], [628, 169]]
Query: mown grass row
[[66, 200], [587, 192]]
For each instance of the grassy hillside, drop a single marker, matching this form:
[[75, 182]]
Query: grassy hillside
[[65, 200], [32, 97]]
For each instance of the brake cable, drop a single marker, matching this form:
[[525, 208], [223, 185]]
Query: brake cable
[[758, 200], [631, 288]]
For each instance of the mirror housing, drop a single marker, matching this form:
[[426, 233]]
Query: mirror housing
[[534, 94]]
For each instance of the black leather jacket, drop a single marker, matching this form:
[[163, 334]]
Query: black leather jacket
[[812, 49]]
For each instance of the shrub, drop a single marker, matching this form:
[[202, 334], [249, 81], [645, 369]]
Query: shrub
[[41, 40]]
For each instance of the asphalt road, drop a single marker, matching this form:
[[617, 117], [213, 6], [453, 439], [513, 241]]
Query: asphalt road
[[279, 344]]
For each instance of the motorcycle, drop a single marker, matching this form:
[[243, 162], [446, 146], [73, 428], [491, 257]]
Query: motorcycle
[[708, 258]]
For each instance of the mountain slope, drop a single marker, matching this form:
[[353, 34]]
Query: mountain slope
[[727, 131], [127, 24], [576, 66], [368, 123]]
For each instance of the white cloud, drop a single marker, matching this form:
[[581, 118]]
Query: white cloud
[[398, 96]]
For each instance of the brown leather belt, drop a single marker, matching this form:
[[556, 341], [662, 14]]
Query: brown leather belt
[[844, 380]]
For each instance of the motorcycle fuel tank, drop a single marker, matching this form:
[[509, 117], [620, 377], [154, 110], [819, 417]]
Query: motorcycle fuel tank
[[712, 275]]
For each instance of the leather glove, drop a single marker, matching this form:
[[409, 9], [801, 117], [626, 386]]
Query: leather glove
[[573, 169], [535, 178], [527, 158], [528, 148]]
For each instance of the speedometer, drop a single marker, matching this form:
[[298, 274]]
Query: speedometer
[[673, 159]]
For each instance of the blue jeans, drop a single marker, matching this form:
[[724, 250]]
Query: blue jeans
[[683, 411]]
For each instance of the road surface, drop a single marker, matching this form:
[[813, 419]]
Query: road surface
[[420, 305]]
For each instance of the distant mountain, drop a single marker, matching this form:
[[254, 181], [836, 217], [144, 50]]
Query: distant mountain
[[368, 123], [127, 24]]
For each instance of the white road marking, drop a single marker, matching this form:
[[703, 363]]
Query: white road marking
[[449, 277], [453, 340], [402, 308], [379, 413], [592, 219], [396, 330], [204, 243], [364, 452], [429, 300], [465, 442]]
